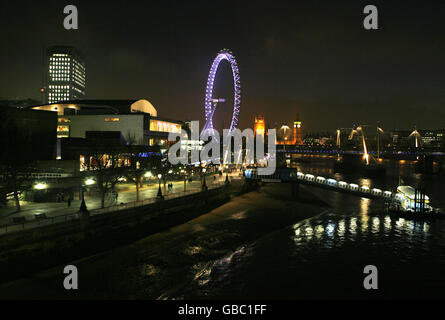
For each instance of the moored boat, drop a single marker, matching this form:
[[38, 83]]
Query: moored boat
[[411, 203]]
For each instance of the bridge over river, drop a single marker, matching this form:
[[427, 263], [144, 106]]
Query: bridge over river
[[296, 177]]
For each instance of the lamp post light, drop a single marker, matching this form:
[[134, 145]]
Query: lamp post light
[[41, 186], [83, 206], [89, 182], [204, 186], [159, 189]]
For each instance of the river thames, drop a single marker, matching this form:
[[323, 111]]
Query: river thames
[[324, 256]]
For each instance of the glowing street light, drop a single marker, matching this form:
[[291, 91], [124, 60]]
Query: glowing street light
[[89, 182], [147, 174], [40, 186], [159, 189]]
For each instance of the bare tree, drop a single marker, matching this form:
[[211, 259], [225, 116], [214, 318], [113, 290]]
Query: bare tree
[[17, 156], [142, 158], [107, 163]]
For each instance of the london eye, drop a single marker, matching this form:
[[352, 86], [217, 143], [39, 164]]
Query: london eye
[[211, 102]]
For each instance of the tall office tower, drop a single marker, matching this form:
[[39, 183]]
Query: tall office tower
[[65, 74]]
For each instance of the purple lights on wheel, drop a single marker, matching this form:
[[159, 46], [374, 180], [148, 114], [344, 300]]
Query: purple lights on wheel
[[209, 107]]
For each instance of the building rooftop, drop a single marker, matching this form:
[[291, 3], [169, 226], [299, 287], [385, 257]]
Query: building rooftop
[[112, 106], [65, 49]]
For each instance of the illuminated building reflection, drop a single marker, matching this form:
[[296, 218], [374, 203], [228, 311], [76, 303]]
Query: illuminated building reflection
[[387, 224], [341, 228], [375, 225], [336, 230], [319, 230], [353, 226]]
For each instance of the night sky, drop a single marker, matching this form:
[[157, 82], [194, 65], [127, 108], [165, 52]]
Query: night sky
[[311, 57]]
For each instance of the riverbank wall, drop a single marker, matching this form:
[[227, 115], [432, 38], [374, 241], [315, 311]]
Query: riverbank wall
[[25, 252]]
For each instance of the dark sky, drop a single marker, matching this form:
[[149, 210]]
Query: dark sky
[[311, 57]]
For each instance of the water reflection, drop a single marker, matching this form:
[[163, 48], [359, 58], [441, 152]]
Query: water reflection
[[330, 228], [319, 231], [375, 225], [334, 230], [341, 229], [364, 206], [387, 224], [352, 226], [364, 218]]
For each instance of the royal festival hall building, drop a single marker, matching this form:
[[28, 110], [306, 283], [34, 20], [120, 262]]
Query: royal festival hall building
[[134, 122]]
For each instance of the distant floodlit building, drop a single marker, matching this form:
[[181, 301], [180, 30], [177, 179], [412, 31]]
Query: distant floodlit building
[[427, 138], [259, 126], [296, 136], [65, 74]]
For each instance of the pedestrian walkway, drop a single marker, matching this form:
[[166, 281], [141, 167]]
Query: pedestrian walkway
[[58, 212]]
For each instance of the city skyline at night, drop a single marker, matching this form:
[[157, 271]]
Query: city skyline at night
[[231, 159], [328, 64]]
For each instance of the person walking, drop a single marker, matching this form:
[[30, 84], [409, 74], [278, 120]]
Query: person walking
[[69, 202]]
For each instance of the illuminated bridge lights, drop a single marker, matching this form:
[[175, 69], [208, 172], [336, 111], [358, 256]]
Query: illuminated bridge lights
[[333, 183], [316, 151]]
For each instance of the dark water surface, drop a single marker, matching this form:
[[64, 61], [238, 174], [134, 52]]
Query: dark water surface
[[324, 256]]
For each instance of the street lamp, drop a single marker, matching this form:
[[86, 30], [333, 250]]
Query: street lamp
[[40, 186], [204, 186], [89, 182], [159, 189], [83, 206]]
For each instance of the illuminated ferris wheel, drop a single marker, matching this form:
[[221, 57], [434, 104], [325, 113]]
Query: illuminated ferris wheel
[[211, 102]]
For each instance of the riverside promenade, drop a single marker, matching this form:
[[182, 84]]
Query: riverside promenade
[[54, 212]]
